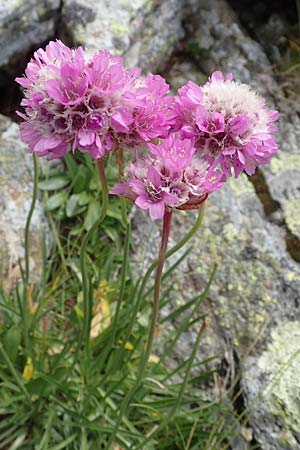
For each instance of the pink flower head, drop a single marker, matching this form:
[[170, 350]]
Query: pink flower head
[[150, 195], [90, 103], [153, 115], [174, 176], [175, 153], [71, 85], [146, 190], [230, 123]]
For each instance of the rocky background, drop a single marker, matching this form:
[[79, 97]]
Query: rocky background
[[251, 228]]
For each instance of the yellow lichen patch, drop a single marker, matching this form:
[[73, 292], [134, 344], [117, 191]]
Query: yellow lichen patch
[[281, 361], [118, 28], [284, 161], [292, 216], [230, 232], [101, 311], [292, 276], [241, 185], [28, 370]]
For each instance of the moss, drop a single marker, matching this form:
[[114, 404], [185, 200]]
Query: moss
[[292, 216]]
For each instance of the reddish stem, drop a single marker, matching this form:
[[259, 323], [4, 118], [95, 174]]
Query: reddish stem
[[161, 260]]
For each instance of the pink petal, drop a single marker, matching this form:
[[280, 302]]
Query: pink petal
[[137, 186], [153, 176], [171, 199], [121, 119], [241, 157], [142, 202], [53, 90], [85, 138], [157, 210], [239, 124]]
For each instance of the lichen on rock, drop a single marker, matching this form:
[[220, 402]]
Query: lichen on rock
[[16, 183], [144, 31], [273, 387]]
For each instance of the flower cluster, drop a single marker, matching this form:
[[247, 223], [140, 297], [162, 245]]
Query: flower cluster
[[190, 143], [230, 123], [171, 176], [89, 103]]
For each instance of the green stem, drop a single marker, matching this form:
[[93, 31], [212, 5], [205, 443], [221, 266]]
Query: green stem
[[182, 387], [175, 248], [29, 217], [160, 265], [126, 224], [123, 281], [202, 329], [140, 294], [87, 293], [169, 253], [25, 312]]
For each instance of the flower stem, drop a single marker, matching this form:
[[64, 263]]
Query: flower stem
[[87, 292], [155, 310], [29, 217], [123, 281], [121, 180], [25, 312], [173, 250], [145, 357], [140, 294], [170, 415], [127, 225], [144, 360]]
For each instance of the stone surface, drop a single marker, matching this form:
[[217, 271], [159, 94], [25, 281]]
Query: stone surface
[[25, 24], [256, 292], [145, 31], [256, 289], [272, 380], [16, 183]]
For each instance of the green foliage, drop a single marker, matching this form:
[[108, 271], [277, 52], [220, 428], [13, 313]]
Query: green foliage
[[65, 401], [53, 394], [73, 192]]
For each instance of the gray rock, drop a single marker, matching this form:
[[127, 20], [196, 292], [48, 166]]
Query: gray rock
[[224, 45], [256, 289], [16, 183], [273, 388], [255, 296], [145, 31], [25, 23]]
